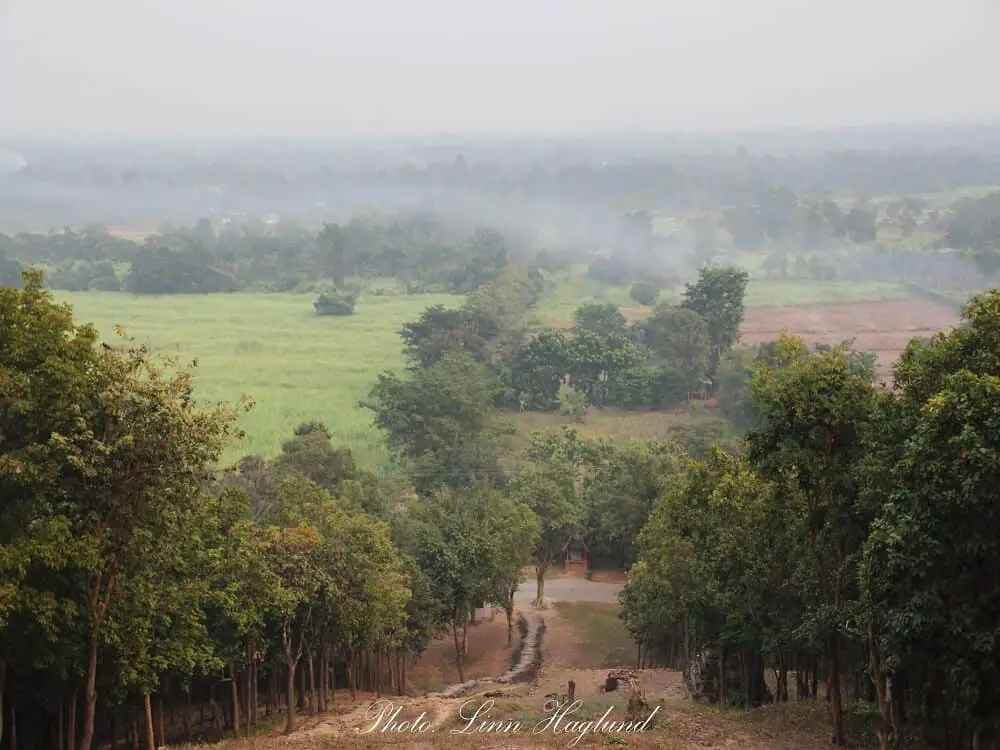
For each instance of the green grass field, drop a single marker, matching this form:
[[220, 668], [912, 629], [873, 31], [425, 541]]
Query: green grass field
[[295, 365], [298, 367], [566, 291]]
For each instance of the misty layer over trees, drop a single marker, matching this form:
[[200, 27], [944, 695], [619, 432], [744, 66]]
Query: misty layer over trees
[[804, 531]]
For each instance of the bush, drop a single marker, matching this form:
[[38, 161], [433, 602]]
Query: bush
[[644, 293], [335, 303], [608, 271]]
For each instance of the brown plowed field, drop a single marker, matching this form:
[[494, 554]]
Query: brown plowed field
[[883, 328]]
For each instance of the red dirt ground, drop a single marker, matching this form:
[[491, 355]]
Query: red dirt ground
[[883, 328]]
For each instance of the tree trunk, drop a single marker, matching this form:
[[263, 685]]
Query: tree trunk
[[13, 724], [833, 688], [540, 586], [312, 683], [399, 670], [882, 702], [723, 675], [378, 672], [290, 698], [90, 697], [186, 718], [3, 685], [71, 717], [136, 744], [161, 729], [458, 649], [402, 671], [352, 676], [302, 690], [234, 697], [322, 679], [61, 740], [147, 706]]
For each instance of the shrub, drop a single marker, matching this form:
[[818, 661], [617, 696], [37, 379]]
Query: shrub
[[335, 303], [644, 293], [608, 271]]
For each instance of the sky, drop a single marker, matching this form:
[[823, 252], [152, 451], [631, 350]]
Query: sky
[[217, 68]]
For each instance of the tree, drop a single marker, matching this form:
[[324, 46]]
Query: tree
[[814, 408], [929, 574], [441, 421], [603, 319], [717, 297], [620, 493], [679, 337], [468, 551], [644, 293], [549, 489]]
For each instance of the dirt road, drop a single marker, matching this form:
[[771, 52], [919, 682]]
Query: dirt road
[[570, 590]]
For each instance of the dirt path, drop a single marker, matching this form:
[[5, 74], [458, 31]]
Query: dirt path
[[569, 589], [512, 715]]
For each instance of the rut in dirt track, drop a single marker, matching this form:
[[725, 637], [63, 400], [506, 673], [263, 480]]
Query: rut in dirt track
[[436, 709]]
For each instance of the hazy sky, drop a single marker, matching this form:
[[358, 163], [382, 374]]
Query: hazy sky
[[315, 67]]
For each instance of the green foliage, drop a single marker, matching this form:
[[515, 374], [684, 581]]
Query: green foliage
[[717, 297], [644, 293], [441, 420], [603, 319], [335, 303], [608, 270]]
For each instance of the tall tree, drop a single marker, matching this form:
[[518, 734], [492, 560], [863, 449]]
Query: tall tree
[[717, 296], [815, 408]]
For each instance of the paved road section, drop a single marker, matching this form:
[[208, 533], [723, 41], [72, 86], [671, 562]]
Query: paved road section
[[570, 590]]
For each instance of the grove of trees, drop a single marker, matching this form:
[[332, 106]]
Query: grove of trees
[[850, 539]]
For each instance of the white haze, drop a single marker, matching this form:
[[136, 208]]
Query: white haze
[[168, 68]]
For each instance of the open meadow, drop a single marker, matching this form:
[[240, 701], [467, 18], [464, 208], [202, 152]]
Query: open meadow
[[297, 366]]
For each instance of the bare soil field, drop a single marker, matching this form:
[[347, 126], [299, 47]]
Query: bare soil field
[[882, 328]]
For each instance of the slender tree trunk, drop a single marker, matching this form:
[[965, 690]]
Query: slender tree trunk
[[61, 740], [186, 717], [147, 706], [13, 724], [323, 676], [290, 698], [883, 734], [136, 744], [833, 688], [3, 685], [723, 682], [234, 699], [247, 689], [351, 675], [90, 697], [378, 672], [312, 683], [458, 649], [161, 728], [400, 677], [74, 699], [540, 572], [302, 690]]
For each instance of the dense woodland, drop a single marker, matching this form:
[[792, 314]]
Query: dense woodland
[[833, 533]]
